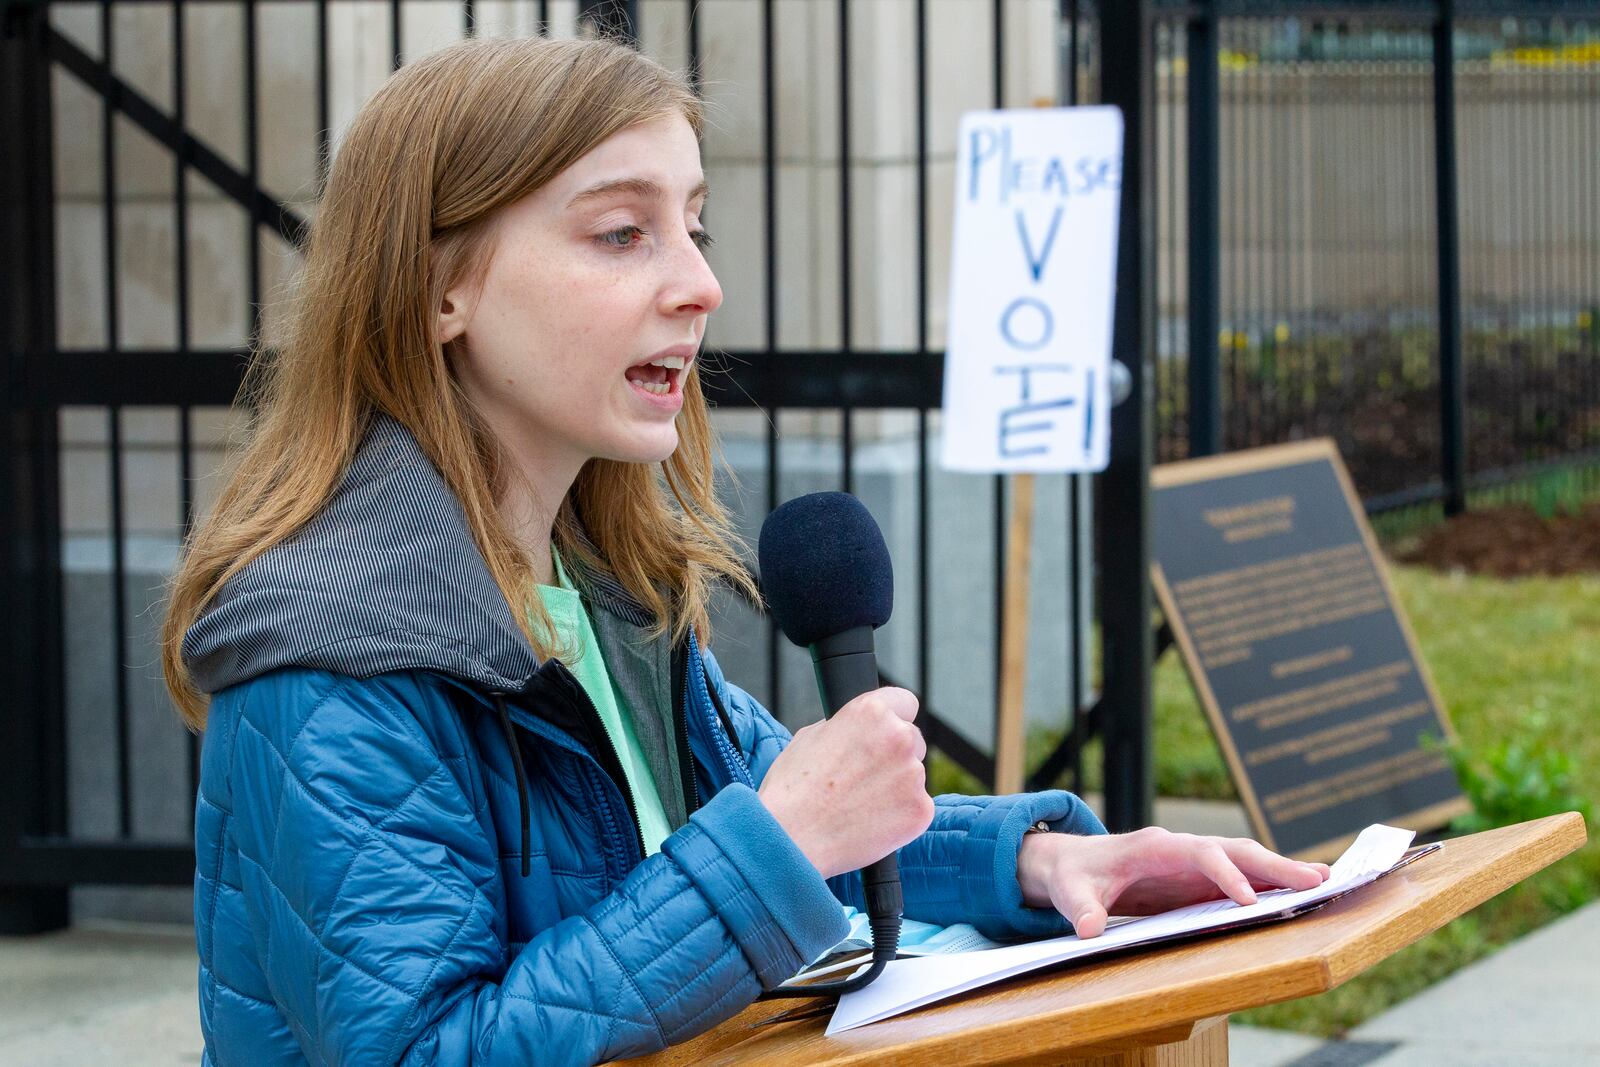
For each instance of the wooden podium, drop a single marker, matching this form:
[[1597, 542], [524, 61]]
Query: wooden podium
[[1166, 1006]]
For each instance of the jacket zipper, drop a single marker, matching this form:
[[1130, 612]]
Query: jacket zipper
[[725, 740], [722, 715], [601, 742], [680, 715]]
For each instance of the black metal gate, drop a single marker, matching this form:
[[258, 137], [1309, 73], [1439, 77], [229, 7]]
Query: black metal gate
[[112, 396], [1228, 340]]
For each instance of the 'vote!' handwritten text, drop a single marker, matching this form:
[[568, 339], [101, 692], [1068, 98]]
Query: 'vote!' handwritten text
[[1031, 282]]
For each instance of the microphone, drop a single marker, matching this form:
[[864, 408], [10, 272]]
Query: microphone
[[827, 579]]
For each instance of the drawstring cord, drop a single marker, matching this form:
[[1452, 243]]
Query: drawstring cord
[[522, 782]]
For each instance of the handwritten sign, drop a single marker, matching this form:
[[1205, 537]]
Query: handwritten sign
[[1026, 384]]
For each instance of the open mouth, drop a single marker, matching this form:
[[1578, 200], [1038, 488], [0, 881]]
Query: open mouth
[[660, 377]]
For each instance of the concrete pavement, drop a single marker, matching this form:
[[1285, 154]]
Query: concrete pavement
[[1535, 1003], [107, 993]]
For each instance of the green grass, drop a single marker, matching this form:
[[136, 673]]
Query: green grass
[[1513, 661]]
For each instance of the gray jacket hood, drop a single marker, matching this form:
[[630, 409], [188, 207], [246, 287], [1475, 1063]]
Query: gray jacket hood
[[386, 578]]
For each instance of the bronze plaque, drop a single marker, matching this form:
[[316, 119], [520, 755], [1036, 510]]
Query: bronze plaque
[[1280, 602]]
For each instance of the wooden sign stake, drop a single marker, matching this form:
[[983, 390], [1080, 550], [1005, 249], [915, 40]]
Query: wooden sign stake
[[1009, 740]]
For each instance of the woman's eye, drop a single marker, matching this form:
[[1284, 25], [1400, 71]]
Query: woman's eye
[[622, 236]]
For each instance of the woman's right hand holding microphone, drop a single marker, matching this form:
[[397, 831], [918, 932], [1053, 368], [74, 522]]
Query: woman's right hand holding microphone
[[851, 789]]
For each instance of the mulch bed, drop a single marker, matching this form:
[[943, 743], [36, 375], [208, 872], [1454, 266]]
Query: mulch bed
[[1511, 542]]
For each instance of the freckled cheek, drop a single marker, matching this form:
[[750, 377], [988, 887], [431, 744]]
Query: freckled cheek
[[574, 300]]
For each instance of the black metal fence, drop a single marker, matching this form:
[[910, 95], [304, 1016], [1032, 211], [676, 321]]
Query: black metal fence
[[1251, 308], [1381, 225], [122, 365]]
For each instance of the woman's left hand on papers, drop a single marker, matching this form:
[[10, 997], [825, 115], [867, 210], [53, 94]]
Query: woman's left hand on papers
[[1148, 871]]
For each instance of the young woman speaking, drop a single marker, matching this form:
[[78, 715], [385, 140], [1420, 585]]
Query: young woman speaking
[[473, 788]]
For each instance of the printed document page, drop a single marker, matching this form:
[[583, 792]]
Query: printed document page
[[913, 983]]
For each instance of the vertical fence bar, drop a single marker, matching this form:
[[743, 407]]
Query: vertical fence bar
[[1526, 256], [846, 448], [769, 155], [1251, 223], [998, 40], [846, 323], [1074, 14], [1127, 80], [119, 606], [396, 35], [1287, 367], [1243, 398], [924, 613], [1080, 553], [119, 621], [1525, 146], [1000, 562], [1545, 227], [32, 732], [324, 108], [1589, 223], [924, 609], [1452, 380], [186, 506], [1343, 111], [1163, 46], [774, 647], [695, 77], [1205, 230], [1301, 239], [1228, 285], [108, 172], [1414, 194], [252, 156], [1388, 235], [180, 185], [1078, 529]]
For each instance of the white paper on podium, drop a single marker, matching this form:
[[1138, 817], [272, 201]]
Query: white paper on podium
[[914, 983]]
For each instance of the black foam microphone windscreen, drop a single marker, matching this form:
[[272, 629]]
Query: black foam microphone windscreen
[[827, 579], [824, 567]]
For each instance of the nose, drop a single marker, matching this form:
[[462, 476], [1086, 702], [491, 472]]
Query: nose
[[691, 287]]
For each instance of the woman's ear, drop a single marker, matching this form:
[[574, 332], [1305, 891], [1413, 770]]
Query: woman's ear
[[454, 310]]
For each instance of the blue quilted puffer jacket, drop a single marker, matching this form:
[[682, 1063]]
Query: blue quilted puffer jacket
[[414, 844]]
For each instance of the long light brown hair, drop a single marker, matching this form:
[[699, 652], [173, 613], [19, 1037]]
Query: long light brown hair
[[444, 144]]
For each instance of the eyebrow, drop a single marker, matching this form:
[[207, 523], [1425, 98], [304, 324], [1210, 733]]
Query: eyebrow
[[643, 188]]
